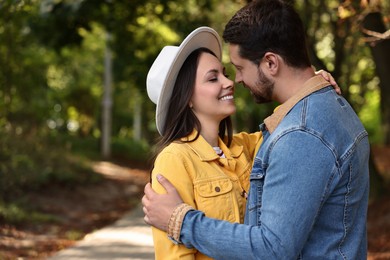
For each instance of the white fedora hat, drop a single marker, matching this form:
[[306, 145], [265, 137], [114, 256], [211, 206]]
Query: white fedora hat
[[163, 73]]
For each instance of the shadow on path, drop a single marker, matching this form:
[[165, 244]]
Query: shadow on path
[[128, 238]]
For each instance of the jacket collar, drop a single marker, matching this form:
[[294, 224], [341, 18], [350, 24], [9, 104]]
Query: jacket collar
[[206, 152], [313, 84]]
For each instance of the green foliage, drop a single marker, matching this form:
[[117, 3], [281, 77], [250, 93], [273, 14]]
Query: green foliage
[[20, 212], [128, 149], [370, 115], [32, 162], [336, 43], [51, 78], [23, 89]]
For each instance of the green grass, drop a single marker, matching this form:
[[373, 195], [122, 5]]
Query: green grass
[[16, 212]]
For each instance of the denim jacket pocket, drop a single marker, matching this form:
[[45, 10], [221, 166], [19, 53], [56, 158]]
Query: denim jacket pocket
[[215, 198], [252, 216]]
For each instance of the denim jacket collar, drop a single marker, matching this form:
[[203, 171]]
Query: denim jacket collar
[[313, 84], [205, 151]]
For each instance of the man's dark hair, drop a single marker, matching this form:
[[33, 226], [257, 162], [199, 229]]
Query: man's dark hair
[[268, 25]]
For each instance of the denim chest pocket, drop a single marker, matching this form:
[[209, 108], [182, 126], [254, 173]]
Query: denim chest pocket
[[214, 198], [256, 178]]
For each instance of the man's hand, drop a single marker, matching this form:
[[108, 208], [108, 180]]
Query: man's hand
[[159, 207], [328, 77]]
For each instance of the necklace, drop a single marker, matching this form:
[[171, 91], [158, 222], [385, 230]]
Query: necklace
[[219, 151]]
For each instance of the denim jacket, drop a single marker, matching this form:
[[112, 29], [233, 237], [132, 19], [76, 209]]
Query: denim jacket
[[308, 189]]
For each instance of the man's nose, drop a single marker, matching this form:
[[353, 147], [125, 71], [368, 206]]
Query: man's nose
[[238, 78]]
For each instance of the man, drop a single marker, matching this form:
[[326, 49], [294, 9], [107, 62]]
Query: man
[[309, 184]]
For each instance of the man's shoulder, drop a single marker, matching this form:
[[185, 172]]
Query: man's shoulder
[[322, 104], [326, 115]]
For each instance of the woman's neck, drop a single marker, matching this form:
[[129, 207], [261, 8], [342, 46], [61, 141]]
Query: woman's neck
[[210, 132]]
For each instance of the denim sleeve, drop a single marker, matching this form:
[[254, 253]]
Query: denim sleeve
[[298, 178]]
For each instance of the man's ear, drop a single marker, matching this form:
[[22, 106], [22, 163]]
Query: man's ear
[[271, 62]]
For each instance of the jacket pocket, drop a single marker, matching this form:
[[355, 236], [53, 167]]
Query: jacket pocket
[[253, 213], [214, 198], [256, 190], [214, 188]]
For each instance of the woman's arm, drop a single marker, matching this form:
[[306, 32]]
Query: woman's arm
[[174, 170]]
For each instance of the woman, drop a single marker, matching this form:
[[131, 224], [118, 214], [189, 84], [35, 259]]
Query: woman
[[199, 154]]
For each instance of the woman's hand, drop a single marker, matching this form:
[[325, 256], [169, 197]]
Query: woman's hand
[[328, 77]]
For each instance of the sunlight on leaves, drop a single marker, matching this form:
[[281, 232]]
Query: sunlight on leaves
[[369, 114], [56, 78]]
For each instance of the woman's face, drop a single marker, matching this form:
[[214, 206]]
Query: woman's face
[[213, 94]]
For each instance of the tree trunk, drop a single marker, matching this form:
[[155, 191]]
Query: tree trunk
[[137, 115], [381, 54], [377, 183], [107, 102]]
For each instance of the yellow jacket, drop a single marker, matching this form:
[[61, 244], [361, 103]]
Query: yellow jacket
[[205, 181]]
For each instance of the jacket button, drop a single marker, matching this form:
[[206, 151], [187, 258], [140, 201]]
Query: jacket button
[[217, 189]]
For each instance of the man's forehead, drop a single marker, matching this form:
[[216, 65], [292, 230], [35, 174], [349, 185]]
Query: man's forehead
[[234, 53]]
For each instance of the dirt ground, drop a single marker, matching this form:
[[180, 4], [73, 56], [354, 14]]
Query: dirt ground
[[84, 209], [379, 229], [77, 211]]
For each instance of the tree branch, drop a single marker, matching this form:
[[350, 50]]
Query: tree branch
[[375, 36]]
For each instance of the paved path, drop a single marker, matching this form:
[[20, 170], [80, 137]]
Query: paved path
[[128, 238]]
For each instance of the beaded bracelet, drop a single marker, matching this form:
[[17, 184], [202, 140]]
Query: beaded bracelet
[[176, 221]]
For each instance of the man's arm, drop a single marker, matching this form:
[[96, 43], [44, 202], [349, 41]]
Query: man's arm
[[218, 235]]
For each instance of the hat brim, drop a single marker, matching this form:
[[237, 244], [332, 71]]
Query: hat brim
[[201, 37]]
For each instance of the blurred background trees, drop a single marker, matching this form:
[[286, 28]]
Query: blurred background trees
[[52, 75]]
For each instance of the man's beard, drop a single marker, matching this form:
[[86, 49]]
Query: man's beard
[[263, 89]]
